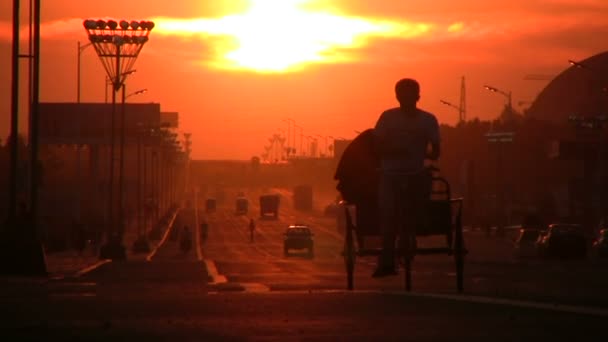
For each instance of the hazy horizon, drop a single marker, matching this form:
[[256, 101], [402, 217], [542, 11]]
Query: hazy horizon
[[236, 70]]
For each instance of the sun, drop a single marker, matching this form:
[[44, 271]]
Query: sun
[[284, 35]]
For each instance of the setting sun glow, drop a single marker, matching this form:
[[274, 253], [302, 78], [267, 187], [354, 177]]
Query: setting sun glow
[[286, 35]]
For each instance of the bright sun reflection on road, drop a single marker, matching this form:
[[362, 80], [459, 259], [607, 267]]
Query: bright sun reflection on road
[[284, 35]]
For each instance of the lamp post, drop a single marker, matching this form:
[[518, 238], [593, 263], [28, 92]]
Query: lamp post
[[330, 147], [325, 147], [498, 139], [596, 122], [121, 176], [14, 130], [81, 48], [301, 139], [309, 144], [507, 95], [187, 151], [141, 245], [290, 134], [449, 104], [24, 255]]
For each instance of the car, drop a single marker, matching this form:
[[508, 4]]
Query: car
[[525, 244], [563, 241], [298, 236], [599, 248]]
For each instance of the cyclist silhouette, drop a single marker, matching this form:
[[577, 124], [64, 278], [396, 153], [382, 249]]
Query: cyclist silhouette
[[402, 137]]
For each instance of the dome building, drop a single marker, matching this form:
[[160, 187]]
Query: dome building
[[580, 90], [574, 107]]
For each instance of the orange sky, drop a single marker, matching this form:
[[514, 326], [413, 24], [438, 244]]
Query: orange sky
[[234, 70]]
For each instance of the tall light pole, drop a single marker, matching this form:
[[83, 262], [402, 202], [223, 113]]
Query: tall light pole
[[14, 131], [121, 160], [118, 45], [330, 148], [81, 48], [301, 139], [325, 147], [498, 139], [598, 123], [187, 151], [462, 110], [309, 139], [290, 134]]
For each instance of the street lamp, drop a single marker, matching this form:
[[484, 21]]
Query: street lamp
[[449, 104], [325, 147], [81, 48], [309, 144], [301, 139], [597, 122], [141, 91], [330, 148], [290, 133], [577, 64], [504, 93], [121, 159], [458, 108]]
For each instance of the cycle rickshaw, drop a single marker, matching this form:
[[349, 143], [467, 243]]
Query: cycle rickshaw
[[442, 218]]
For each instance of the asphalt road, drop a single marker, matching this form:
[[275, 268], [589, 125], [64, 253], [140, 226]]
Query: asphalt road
[[232, 289], [491, 267]]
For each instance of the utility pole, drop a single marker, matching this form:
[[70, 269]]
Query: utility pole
[[187, 150], [462, 109], [14, 157]]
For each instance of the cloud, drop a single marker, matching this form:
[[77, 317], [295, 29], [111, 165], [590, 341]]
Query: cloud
[[351, 31]]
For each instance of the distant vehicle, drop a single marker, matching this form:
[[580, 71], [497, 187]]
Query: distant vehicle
[[210, 205], [269, 205], [242, 206], [599, 248], [562, 241], [525, 244], [298, 237]]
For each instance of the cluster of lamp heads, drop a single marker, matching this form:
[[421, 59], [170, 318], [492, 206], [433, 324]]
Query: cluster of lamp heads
[[117, 32], [100, 24]]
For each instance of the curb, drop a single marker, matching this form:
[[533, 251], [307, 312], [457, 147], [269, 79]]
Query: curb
[[162, 241], [91, 268]]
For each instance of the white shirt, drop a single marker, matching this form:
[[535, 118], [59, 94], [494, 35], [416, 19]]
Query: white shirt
[[409, 135]]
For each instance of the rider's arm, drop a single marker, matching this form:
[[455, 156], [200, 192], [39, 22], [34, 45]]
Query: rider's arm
[[434, 151]]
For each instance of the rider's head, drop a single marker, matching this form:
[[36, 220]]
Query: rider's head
[[407, 91]]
